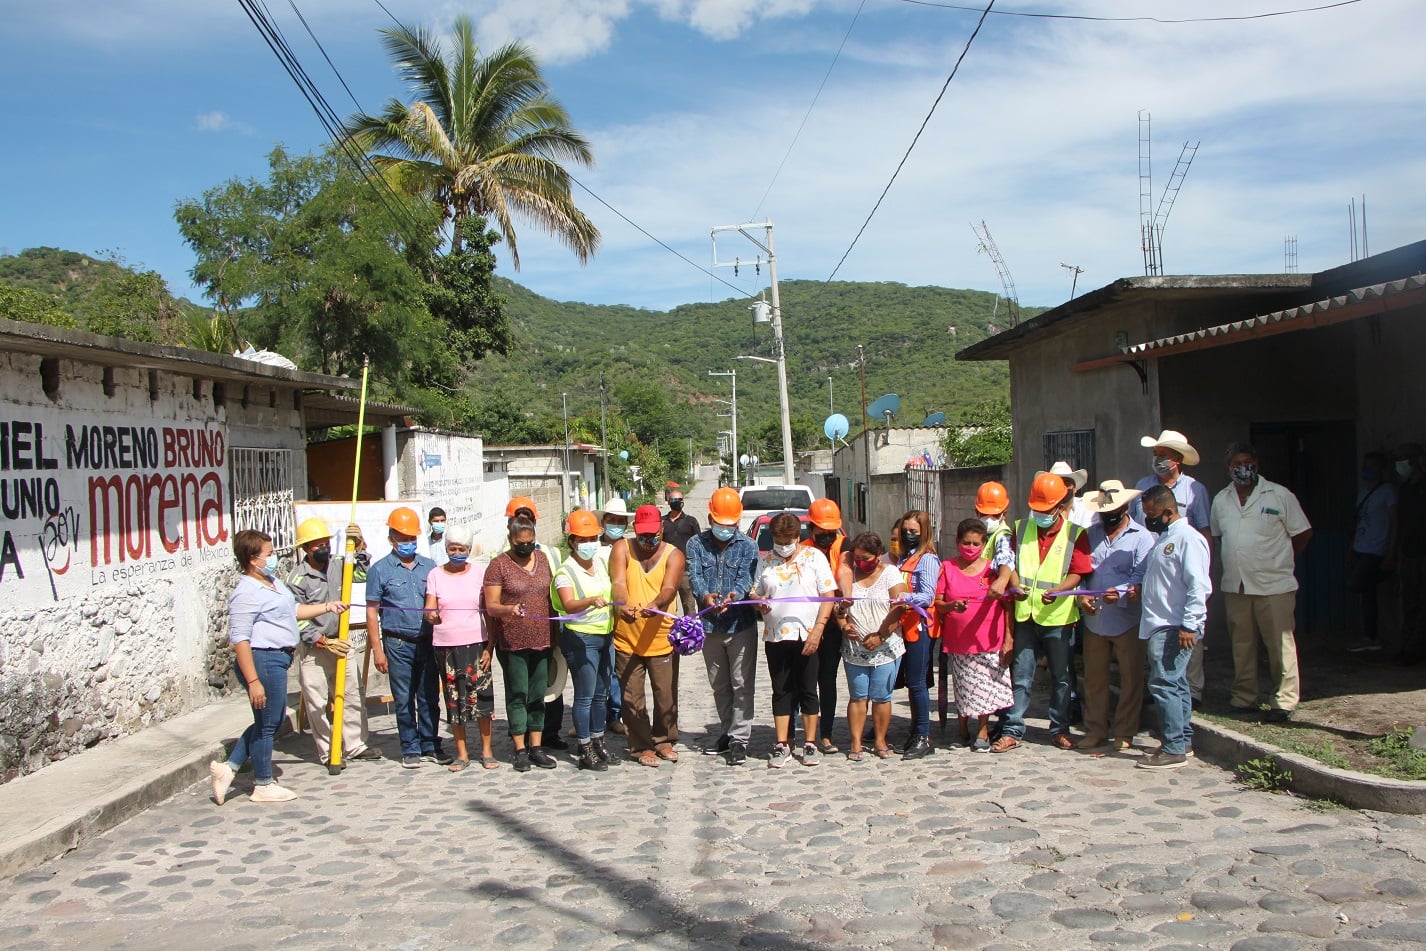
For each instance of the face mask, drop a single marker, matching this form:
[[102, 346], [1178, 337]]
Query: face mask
[[1403, 468], [910, 541], [1369, 474], [615, 532], [785, 551], [1163, 466], [458, 559], [587, 550], [269, 567], [724, 533], [321, 553], [523, 549], [971, 552], [1157, 524], [1044, 519], [865, 566], [992, 523], [675, 505], [1245, 474], [1111, 520], [824, 539], [406, 550], [438, 528]]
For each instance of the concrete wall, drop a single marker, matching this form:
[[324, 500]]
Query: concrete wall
[[113, 588]]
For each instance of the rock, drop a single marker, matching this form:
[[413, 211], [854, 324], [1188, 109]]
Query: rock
[[1084, 918], [1339, 890], [1123, 939], [956, 936], [1400, 888], [1013, 906], [1266, 943], [1217, 902], [1396, 931], [1418, 738], [1313, 926]]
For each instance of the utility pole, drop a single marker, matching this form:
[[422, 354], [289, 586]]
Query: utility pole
[[831, 408], [564, 480], [866, 436], [603, 446], [732, 412], [766, 246]]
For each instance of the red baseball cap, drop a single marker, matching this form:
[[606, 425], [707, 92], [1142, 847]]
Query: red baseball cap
[[647, 520]]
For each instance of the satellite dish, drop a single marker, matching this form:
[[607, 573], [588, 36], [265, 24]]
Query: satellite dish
[[836, 427], [623, 454], [935, 419], [886, 407]]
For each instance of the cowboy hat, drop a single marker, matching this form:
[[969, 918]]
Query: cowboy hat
[[1111, 495], [1080, 477], [1175, 440], [559, 673], [616, 506]]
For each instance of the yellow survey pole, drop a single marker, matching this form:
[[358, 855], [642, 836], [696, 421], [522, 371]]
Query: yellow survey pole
[[334, 765]]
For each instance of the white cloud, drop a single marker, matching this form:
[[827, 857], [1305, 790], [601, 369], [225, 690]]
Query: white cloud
[[218, 121]]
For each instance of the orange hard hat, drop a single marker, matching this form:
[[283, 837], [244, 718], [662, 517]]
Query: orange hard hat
[[582, 523], [824, 514], [405, 521], [725, 507], [521, 502], [1047, 491], [991, 498]]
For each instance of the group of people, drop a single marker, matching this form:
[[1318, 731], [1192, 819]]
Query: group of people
[[1131, 564]]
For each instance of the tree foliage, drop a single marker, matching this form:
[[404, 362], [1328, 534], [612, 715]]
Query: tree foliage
[[32, 307], [983, 436]]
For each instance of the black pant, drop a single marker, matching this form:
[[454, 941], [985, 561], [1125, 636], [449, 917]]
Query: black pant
[[829, 669], [794, 677], [1364, 577]]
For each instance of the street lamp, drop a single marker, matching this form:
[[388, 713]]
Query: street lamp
[[733, 413], [767, 247]]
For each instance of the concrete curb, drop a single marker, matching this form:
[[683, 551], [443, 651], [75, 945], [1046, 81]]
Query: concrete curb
[[57, 809], [1224, 747]]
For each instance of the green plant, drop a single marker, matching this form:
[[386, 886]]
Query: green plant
[[1263, 774], [1324, 751], [1323, 805], [1395, 747]]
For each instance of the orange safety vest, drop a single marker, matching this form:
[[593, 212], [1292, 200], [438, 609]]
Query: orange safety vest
[[834, 555], [911, 622]]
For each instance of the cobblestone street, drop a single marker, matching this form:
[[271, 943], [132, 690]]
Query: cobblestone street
[[1037, 848]]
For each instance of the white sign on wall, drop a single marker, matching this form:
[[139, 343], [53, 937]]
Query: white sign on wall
[[449, 473], [94, 500]]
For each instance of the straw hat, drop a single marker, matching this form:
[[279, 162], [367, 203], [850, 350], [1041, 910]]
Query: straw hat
[[1175, 440], [616, 506], [1080, 477], [1111, 495]]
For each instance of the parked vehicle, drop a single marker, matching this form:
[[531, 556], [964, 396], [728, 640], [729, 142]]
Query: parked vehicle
[[761, 532], [764, 499]]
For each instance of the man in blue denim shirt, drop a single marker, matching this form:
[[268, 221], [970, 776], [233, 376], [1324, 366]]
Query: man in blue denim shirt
[[400, 639], [721, 561]]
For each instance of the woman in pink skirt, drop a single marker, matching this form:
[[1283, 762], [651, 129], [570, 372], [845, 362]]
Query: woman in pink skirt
[[977, 631]]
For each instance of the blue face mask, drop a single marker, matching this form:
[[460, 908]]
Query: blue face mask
[[724, 532], [615, 531], [1044, 519], [438, 528], [458, 559], [269, 567], [406, 550], [587, 550]]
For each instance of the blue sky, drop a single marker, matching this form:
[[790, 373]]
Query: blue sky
[[692, 104]]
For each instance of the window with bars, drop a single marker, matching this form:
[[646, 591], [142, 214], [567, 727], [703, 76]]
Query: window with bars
[[1075, 446], [262, 493]]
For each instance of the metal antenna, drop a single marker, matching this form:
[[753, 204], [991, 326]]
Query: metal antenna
[[1077, 271], [1161, 215], [1146, 195], [1289, 254], [1002, 270]]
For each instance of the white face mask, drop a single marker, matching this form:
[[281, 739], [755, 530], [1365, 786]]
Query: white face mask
[[991, 523], [1403, 468], [784, 551]]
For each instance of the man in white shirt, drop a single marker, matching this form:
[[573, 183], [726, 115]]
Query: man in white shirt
[[1261, 530]]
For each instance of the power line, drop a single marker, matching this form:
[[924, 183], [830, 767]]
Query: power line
[[1095, 19], [796, 135], [924, 122]]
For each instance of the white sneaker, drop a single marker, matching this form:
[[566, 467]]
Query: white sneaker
[[272, 793], [222, 775]]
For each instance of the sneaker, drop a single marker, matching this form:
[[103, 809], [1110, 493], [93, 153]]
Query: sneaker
[[222, 775], [980, 745], [778, 758], [810, 755], [1364, 644], [411, 761], [719, 748], [553, 743], [918, 747], [737, 753], [1277, 716], [617, 726], [540, 758], [368, 754], [272, 793], [439, 757], [522, 761], [1162, 760]]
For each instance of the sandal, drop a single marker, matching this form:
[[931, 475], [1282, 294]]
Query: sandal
[[647, 758], [883, 753], [488, 762], [1062, 741], [1004, 745], [855, 756], [829, 748], [458, 765], [667, 752]]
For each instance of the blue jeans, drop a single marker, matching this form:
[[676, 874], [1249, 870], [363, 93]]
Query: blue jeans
[[1168, 685], [589, 667], [256, 741], [411, 667], [917, 663], [616, 692], [872, 683], [1057, 645]]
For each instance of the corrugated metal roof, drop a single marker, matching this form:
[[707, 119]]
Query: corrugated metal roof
[[1358, 295]]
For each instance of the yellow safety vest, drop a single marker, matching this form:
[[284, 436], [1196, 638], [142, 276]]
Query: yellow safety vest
[[1037, 577]]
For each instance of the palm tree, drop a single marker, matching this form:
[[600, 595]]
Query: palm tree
[[482, 137]]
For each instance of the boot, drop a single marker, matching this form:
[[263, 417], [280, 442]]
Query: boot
[[600, 750], [588, 759]]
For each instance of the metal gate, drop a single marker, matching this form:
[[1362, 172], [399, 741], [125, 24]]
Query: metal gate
[[923, 491]]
